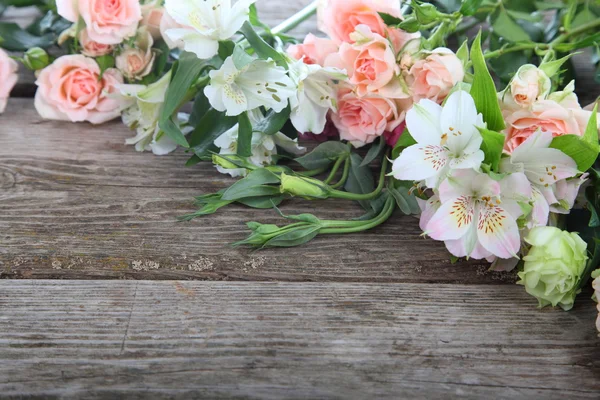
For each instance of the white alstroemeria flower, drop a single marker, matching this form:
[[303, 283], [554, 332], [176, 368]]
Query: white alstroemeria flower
[[205, 23], [316, 95], [143, 116], [550, 172], [259, 84], [447, 139], [264, 147], [477, 216]]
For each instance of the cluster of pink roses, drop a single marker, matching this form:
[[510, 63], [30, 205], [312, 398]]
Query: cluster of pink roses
[[73, 88], [528, 106], [386, 67]]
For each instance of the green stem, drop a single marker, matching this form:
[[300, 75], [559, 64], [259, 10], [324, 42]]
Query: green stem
[[368, 196], [387, 212], [345, 175], [296, 19], [334, 170], [313, 172], [582, 29]]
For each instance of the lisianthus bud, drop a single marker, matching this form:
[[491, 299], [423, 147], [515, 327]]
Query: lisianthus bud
[[227, 161], [554, 266], [304, 187], [36, 58], [529, 84]]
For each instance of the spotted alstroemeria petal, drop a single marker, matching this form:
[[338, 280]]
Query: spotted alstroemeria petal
[[420, 162], [497, 231], [452, 220]]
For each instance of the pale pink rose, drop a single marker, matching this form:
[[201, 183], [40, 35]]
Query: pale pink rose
[[596, 285], [8, 77], [137, 62], [403, 41], [361, 120], [314, 50], [546, 115], [70, 89], [529, 84], [434, 76], [107, 21], [93, 49], [339, 18], [152, 14], [370, 64]]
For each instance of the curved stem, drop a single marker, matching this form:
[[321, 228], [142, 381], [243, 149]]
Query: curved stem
[[368, 196], [583, 28], [334, 170], [344, 177], [313, 172], [296, 19], [387, 212]]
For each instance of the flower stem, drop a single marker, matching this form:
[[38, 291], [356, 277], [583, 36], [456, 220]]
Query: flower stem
[[334, 170], [368, 196], [345, 175], [577, 31], [296, 19], [362, 226]]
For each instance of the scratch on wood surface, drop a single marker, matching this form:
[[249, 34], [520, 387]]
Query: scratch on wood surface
[[129, 318]]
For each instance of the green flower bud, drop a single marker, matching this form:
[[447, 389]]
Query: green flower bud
[[304, 187], [227, 162], [36, 58], [426, 13], [554, 266]]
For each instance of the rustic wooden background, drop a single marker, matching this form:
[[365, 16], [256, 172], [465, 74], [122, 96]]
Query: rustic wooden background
[[378, 315]]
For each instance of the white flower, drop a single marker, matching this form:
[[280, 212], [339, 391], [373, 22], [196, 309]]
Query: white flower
[[264, 147], [205, 23], [447, 139], [316, 95], [143, 116], [550, 172], [258, 84]]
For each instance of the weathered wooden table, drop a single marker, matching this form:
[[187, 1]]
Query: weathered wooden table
[[107, 296]]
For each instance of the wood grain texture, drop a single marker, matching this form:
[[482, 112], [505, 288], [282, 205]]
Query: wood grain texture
[[142, 339], [75, 202]]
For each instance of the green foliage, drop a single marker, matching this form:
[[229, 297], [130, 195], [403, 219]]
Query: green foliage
[[244, 143], [212, 125], [493, 143], [324, 155]]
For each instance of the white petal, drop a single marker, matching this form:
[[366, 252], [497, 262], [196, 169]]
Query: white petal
[[423, 122], [453, 219], [419, 162], [498, 232], [458, 119]]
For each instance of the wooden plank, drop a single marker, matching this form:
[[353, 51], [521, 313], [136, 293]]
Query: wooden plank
[[105, 340], [75, 202]]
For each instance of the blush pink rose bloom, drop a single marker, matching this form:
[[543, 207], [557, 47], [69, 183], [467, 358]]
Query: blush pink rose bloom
[[93, 49], [152, 14], [339, 18], [107, 21], [564, 117], [361, 120], [434, 76], [529, 84], [8, 77], [314, 50], [70, 89], [370, 64]]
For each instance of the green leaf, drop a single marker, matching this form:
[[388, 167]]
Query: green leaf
[[212, 125], [244, 142], [506, 27], [324, 155], [463, 52], [374, 152], [531, 17], [263, 202], [262, 48], [406, 201], [470, 7], [492, 146], [360, 180], [226, 48], [253, 185], [206, 209], [241, 58], [553, 67], [16, 39], [584, 150], [406, 140], [583, 17], [273, 122], [484, 90], [172, 130], [296, 237], [105, 62], [390, 20]]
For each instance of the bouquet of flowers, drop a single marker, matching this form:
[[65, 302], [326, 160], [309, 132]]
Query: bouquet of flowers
[[403, 122]]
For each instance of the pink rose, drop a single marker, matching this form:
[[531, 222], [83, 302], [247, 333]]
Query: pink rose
[[70, 89], [107, 21], [529, 84], [152, 14], [370, 64], [137, 62], [8, 77], [314, 50], [434, 76], [93, 49], [563, 117], [339, 18], [361, 120]]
